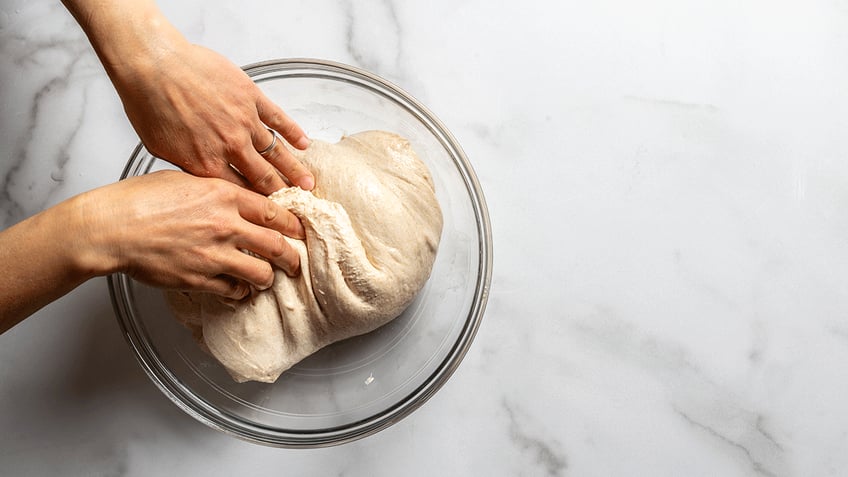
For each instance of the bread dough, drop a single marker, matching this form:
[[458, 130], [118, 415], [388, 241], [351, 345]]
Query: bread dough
[[372, 230]]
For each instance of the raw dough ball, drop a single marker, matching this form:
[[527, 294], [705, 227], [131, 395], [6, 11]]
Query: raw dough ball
[[372, 230]]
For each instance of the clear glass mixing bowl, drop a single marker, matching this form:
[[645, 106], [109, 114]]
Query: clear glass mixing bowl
[[356, 387]]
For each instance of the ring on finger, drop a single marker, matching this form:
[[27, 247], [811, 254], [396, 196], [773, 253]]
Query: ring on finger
[[273, 142]]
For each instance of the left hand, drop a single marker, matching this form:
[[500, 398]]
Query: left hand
[[173, 230]]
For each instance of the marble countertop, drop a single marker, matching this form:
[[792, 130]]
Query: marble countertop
[[668, 188]]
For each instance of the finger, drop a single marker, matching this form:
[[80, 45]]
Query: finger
[[227, 287], [261, 144], [265, 212], [265, 222], [263, 176], [277, 119], [271, 245], [248, 268], [231, 174], [289, 166]]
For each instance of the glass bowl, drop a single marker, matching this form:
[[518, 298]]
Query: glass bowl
[[361, 385]]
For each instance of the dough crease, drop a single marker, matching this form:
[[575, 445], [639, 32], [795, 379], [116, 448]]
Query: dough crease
[[373, 226]]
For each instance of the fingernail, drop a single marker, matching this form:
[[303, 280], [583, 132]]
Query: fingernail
[[299, 232], [265, 287], [294, 271], [307, 183]]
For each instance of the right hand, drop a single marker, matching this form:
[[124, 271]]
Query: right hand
[[196, 109], [190, 105]]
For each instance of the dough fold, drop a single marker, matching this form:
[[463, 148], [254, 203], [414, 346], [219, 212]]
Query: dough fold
[[372, 226]]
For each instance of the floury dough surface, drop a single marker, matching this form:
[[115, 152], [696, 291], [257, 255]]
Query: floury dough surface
[[372, 230]]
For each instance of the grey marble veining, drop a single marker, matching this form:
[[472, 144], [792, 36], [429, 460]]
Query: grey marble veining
[[44, 97], [374, 36], [667, 188], [547, 456]]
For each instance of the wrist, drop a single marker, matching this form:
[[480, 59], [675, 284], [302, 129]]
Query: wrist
[[92, 243]]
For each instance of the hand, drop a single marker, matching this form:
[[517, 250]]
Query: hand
[[168, 229], [197, 110], [177, 231], [189, 105]]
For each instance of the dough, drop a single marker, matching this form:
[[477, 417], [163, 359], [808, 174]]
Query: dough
[[372, 230]]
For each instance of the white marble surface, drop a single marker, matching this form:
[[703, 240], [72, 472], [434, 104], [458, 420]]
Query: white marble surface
[[668, 187]]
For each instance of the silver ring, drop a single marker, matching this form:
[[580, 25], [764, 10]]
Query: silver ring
[[273, 143]]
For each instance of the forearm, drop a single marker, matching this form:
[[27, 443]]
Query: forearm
[[129, 37], [44, 257]]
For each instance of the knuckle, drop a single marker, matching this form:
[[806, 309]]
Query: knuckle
[[298, 170], [267, 179], [232, 144], [295, 225], [274, 116], [271, 211], [261, 275], [267, 277], [279, 245], [224, 191], [290, 129], [220, 228]]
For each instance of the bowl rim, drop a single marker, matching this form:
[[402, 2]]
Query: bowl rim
[[275, 437]]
